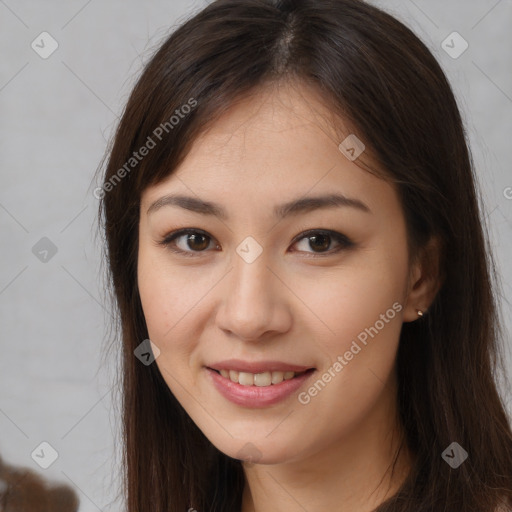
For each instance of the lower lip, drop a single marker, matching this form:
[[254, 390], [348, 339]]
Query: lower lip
[[257, 396]]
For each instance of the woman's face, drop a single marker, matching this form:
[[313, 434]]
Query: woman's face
[[249, 293]]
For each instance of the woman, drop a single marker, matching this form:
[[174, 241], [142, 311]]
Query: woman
[[291, 218]]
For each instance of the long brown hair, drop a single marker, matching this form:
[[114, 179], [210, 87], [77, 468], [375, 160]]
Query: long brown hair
[[376, 74]]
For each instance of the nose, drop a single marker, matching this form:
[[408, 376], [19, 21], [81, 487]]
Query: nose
[[255, 301]]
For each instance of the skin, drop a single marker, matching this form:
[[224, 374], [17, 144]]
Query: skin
[[297, 302]]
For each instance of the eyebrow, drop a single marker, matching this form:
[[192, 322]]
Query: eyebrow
[[297, 206]]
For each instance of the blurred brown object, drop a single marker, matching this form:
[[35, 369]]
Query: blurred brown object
[[23, 490]]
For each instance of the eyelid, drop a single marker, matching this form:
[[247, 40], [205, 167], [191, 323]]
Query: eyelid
[[344, 241]]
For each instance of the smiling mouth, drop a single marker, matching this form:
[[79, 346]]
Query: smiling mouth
[[264, 379]]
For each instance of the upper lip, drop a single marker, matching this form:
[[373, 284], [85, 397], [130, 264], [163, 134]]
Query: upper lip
[[258, 367]]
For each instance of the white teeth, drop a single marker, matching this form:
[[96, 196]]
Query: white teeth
[[257, 379], [263, 379], [277, 377], [246, 379]]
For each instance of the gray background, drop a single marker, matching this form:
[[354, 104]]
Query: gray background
[[57, 115]]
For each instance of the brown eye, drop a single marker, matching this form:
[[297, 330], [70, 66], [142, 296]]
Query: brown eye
[[193, 242], [187, 242], [320, 242], [196, 242]]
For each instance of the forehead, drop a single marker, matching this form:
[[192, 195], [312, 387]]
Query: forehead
[[277, 143], [271, 115]]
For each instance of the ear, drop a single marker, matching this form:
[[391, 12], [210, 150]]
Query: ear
[[424, 280]]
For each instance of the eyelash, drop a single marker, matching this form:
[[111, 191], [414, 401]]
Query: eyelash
[[345, 243]]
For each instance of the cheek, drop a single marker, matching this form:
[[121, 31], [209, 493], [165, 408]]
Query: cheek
[[361, 311], [171, 298], [164, 303], [162, 292], [352, 300], [355, 381], [159, 293], [158, 299]]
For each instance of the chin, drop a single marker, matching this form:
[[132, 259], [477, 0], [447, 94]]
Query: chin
[[258, 452]]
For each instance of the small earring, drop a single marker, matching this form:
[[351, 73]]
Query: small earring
[[420, 313]]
